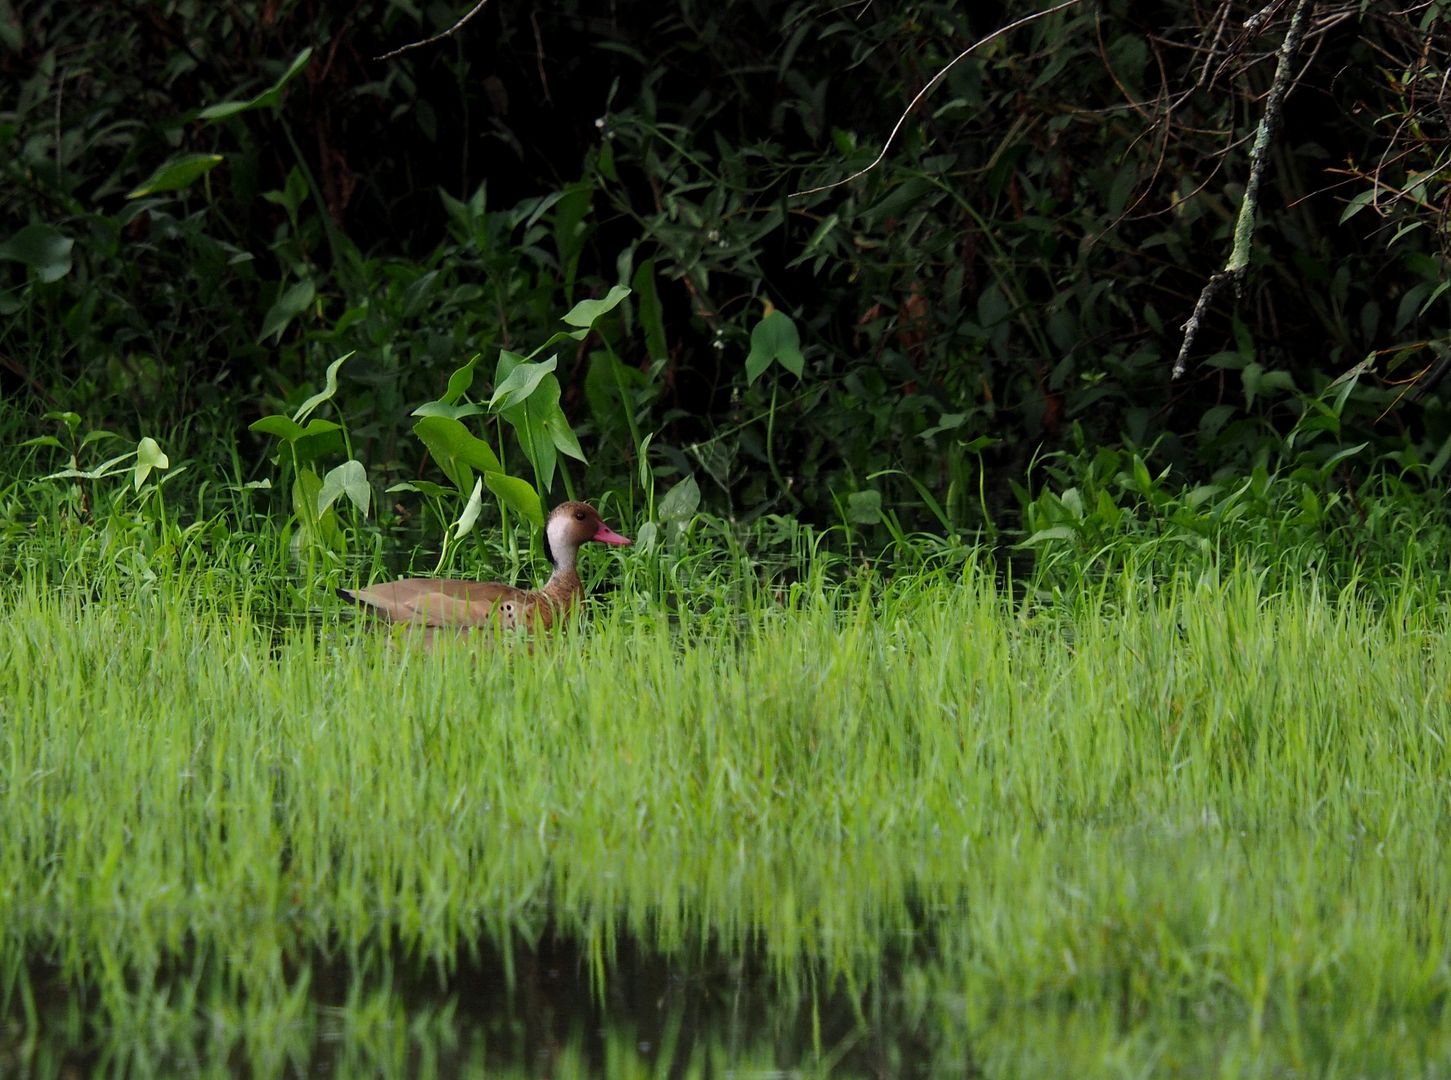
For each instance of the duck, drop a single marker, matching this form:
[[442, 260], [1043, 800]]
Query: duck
[[448, 603]]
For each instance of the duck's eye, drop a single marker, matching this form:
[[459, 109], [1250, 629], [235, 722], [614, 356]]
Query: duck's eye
[[579, 515]]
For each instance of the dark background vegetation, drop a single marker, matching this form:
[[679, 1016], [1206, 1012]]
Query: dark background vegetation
[[988, 318]]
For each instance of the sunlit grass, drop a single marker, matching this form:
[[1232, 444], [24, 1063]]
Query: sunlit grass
[[1189, 826]]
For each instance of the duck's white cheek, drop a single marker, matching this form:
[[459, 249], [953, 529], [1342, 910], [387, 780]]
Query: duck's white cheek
[[558, 534]]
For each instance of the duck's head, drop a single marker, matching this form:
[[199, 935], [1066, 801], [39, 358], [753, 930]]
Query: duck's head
[[571, 525]]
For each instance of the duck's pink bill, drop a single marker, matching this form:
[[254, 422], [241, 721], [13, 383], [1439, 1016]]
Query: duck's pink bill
[[606, 535]]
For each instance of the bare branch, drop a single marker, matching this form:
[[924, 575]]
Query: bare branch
[[999, 32], [436, 37], [1244, 225]]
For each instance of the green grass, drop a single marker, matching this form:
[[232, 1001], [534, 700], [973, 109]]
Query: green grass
[[1186, 827]]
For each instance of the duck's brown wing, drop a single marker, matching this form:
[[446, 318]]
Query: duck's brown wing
[[445, 602]]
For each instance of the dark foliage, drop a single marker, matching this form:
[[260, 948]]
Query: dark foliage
[[1010, 281]]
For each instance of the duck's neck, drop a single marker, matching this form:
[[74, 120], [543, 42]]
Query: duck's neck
[[563, 587]]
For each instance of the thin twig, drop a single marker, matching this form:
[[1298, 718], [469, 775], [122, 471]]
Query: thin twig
[[436, 37], [999, 32], [1244, 225]]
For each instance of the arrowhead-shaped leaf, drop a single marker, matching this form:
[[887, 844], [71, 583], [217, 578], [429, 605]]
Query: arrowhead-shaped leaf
[[271, 96], [530, 421], [563, 436], [460, 381], [453, 412], [330, 387], [148, 457], [176, 174], [455, 450], [515, 380], [289, 430], [350, 478], [584, 313], [288, 306]]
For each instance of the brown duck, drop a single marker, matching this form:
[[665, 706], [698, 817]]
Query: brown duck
[[445, 603]]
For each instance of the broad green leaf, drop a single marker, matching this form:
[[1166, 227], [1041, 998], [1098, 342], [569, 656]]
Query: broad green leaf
[[349, 478], [289, 305], [864, 507], [455, 450], [176, 174], [521, 380], [563, 436], [289, 430], [647, 536], [680, 502], [330, 387], [466, 520], [584, 313], [774, 338], [651, 313], [453, 412], [519, 495], [148, 457], [271, 96], [44, 440], [530, 421], [44, 249]]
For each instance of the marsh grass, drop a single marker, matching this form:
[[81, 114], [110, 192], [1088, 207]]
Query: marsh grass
[[1156, 826]]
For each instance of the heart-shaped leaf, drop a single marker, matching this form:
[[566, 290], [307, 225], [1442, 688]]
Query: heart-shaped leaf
[[322, 528], [44, 249], [680, 502], [774, 338]]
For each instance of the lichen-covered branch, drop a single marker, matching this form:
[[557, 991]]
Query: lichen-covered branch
[[1244, 225]]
